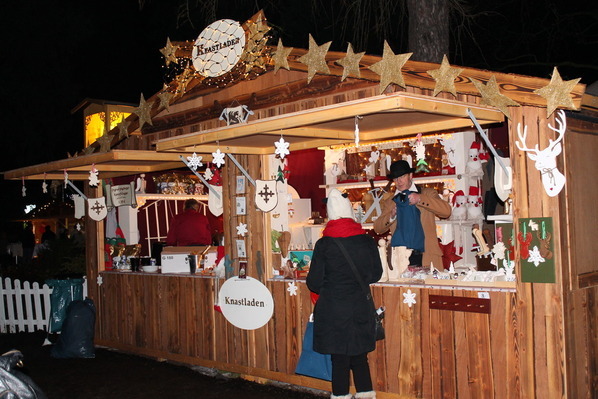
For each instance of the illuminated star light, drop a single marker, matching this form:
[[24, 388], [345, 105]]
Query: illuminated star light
[[194, 161], [282, 148], [292, 288], [409, 298], [218, 158], [242, 229]]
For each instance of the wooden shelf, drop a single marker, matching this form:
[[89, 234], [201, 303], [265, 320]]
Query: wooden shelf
[[382, 183]]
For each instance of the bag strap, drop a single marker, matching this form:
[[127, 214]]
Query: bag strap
[[364, 287]]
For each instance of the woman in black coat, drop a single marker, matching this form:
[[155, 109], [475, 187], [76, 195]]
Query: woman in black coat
[[344, 323]]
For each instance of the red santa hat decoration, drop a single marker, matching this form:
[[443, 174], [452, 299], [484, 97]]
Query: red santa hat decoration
[[474, 203]]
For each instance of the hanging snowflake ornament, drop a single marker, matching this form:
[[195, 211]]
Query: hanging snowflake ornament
[[194, 161], [208, 174], [218, 158], [535, 257], [292, 288], [100, 280], [242, 229], [282, 148], [93, 176], [78, 226], [409, 298]]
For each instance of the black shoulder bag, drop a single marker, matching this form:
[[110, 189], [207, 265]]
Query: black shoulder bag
[[378, 313]]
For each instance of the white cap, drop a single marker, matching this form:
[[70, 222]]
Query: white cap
[[339, 206]]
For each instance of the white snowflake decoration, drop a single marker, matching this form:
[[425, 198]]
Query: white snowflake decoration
[[93, 177], [242, 229], [535, 257], [292, 288], [282, 148], [208, 174], [78, 225], [409, 298], [100, 280], [45, 187], [499, 250], [218, 158], [194, 161]]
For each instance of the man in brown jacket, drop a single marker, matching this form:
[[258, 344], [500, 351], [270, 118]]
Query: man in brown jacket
[[410, 217]]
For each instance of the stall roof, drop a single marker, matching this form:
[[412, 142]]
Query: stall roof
[[109, 164], [383, 117]]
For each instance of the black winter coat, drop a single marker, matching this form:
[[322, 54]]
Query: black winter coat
[[343, 316]]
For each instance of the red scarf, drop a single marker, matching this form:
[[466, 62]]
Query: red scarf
[[344, 227]]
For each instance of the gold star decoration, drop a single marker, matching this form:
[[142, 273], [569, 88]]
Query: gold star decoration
[[143, 112], [123, 129], [183, 80], [491, 96], [389, 68], [105, 140], [557, 93], [256, 43], [165, 96], [280, 57], [315, 59], [169, 52], [445, 77], [350, 63]]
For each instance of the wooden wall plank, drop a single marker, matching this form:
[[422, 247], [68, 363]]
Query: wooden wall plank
[[462, 352]]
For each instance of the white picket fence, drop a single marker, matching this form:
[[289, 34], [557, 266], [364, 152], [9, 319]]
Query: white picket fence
[[25, 308]]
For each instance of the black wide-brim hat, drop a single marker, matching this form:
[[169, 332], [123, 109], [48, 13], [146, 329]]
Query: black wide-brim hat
[[398, 169]]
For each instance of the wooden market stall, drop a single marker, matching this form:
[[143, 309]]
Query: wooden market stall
[[500, 339]]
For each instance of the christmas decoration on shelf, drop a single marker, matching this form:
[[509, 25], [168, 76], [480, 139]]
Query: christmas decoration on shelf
[[420, 153], [409, 298], [315, 59], [473, 167], [143, 112], [218, 159], [169, 52], [491, 96], [93, 176], [242, 229], [474, 204], [235, 115], [194, 161], [545, 160], [350, 63], [558, 92], [445, 77], [281, 55], [282, 148], [449, 254], [448, 158], [459, 211], [389, 68]]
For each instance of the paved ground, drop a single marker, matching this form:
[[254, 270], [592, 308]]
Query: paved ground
[[117, 375]]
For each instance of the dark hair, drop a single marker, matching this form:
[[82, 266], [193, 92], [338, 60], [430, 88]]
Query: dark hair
[[191, 203]]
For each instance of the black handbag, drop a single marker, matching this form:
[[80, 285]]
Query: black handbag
[[14, 383], [378, 313]]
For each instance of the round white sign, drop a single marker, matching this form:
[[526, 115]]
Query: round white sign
[[246, 302], [218, 48]]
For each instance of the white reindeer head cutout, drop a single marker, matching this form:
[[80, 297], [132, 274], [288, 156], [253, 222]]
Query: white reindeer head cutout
[[552, 179]]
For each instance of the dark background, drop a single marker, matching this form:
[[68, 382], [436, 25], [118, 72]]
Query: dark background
[[55, 54]]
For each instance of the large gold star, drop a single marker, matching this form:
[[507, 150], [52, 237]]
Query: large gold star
[[143, 112], [169, 52], [389, 68], [557, 93], [445, 77], [123, 129], [105, 142], [280, 56], [350, 63], [165, 96], [491, 96], [315, 59]]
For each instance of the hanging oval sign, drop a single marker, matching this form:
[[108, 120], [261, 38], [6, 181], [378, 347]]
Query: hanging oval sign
[[218, 48], [246, 302]]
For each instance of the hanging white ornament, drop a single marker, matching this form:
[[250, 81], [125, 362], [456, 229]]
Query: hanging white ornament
[[282, 148], [45, 187], [100, 280], [194, 161], [24, 189], [66, 178], [409, 298], [357, 118], [242, 229], [208, 174], [535, 257], [292, 288], [78, 226], [499, 250], [218, 158], [93, 176]]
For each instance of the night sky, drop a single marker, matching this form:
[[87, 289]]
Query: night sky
[[56, 54]]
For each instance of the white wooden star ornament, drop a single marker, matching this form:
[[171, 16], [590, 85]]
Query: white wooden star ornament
[[535, 257], [292, 288], [242, 229], [100, 280], [218, 158], [409, 298], [194, 161], [282, 148]]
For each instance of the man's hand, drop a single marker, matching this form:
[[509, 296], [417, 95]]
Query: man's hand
[[414, 198]]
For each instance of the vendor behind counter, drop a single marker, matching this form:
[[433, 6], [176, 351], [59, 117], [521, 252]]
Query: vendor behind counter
[[190, 227]]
